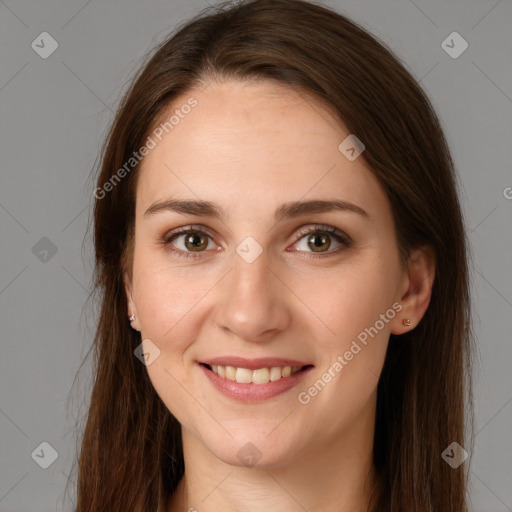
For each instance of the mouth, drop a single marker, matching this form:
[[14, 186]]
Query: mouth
[[257, 376], [255, 384]]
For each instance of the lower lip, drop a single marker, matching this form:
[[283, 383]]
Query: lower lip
[[254, 392]]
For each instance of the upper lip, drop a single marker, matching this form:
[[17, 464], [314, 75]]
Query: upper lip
[[252, 364]]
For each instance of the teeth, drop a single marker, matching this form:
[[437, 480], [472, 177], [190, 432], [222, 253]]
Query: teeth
[[259, 376], [275, 373], [230, 373], [243, 375]]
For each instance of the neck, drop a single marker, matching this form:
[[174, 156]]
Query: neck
[[335, 474]]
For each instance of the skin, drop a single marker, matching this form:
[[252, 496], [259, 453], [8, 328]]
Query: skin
[[250, 147]]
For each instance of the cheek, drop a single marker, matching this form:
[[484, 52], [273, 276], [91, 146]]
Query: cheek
[[349, 298], [164, 299], [354, 303], [170, 301]]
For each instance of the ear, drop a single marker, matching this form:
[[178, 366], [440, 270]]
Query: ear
[[416, 289], [131, 309]]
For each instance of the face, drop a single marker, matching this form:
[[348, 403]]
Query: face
[[321, 287]]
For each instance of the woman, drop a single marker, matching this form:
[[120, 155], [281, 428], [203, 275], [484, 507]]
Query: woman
[[282, 261]]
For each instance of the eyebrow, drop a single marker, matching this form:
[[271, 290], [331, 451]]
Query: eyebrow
[[284, 212]]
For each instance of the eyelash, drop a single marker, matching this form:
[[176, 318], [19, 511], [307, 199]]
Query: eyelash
[[340, 237]]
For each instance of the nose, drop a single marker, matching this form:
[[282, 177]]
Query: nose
[[252, 301]]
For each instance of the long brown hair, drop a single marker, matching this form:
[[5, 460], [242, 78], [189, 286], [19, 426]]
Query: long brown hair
[[131, 453]]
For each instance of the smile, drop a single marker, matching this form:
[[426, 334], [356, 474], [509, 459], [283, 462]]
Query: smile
[[258, 376], [256, 384]]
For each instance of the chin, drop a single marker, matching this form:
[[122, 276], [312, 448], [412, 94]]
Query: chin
[[261, 450]]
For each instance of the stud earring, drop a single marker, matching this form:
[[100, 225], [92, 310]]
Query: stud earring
[[132, 318], [406, 322]]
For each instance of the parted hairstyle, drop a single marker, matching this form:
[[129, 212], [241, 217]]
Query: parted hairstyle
[[130, 455]]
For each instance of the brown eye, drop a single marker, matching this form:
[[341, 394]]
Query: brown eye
[[187, 242], [319, 242], [319, 239], [196, 241]]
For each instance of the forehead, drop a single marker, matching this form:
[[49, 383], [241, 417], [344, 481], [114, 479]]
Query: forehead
[[252, 145]]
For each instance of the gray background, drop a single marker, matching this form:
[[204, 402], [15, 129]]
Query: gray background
[[54, 113]]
